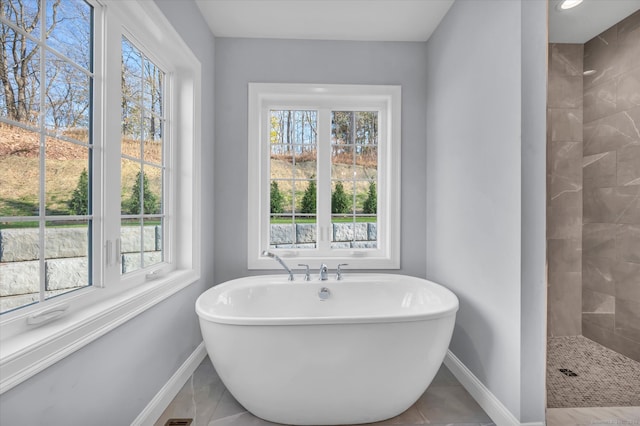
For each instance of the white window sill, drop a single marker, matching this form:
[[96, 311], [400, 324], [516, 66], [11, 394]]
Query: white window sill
[[24, 354], [356, 260]]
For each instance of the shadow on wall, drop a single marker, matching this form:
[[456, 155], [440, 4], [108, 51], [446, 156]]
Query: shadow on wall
[[461, 339]]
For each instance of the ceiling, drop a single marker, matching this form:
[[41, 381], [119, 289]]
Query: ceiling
[[371, 20], [587, 20], [385, 20]]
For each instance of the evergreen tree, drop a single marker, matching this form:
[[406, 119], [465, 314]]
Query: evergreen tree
[[277, 199], [340, 202], [150, 199], [79, 202], [371, 203], [309, 199]]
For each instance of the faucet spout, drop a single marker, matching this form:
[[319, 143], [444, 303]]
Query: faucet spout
[[324, 272], [280, 261]]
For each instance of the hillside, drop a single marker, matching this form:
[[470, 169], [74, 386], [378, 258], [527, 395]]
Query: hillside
[[20, 157], [19, 170], [281, 169]]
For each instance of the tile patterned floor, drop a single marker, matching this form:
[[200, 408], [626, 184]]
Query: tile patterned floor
[[206, 400], [604, 377]]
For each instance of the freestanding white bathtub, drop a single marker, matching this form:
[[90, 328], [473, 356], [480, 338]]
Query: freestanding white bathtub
[[365, 353]]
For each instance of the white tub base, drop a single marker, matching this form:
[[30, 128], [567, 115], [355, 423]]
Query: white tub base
[[326, 370], [344, 374]]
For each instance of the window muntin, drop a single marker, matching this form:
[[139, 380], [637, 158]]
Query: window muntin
[[143, 162], [293, 181], [46, 150], [357, 148], [294, 185], [354, 166]]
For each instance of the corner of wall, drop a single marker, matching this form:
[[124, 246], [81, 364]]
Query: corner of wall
[[486, 237], [533, 211]]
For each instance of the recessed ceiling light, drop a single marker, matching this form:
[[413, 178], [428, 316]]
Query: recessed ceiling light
[[569, 4], [589, 72]]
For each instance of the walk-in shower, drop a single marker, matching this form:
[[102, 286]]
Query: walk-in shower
[[593, 218]]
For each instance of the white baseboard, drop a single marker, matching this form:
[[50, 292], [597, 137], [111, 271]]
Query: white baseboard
[[163, 398], [500, 415]]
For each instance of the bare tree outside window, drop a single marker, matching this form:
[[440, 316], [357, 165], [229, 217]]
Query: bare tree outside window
[[46, 73], [142, 163], [67, 62]]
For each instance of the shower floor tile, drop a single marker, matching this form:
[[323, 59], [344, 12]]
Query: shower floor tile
[[592, 375], [205, 399]]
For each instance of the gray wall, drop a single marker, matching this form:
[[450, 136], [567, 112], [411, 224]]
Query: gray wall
[[110, 381], [611, 211], [533, 290], [564, 198], [485, 221], [594, 182], [240, 61]]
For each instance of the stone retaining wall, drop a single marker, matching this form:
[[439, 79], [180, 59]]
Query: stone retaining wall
[[344, 235], [66, 257], [66, 252]]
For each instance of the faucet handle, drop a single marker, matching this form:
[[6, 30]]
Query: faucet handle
[[307, 277], [339, 271]]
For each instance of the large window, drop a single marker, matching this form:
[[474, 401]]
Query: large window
[[98, 170], [324, 174]]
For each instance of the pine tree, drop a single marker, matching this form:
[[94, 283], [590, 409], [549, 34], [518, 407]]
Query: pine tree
[[309, 199], [339, 200], [79, 202], [150, 199], [371, 203], [277, 199]]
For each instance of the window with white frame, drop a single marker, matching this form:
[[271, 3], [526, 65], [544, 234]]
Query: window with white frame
[[324, 174], [99, 142], [46, 150]]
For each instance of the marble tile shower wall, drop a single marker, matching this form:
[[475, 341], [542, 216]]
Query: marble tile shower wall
[[564, 189], [611, 189]]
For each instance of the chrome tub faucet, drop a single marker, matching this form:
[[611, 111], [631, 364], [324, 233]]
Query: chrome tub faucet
[[284, 265]]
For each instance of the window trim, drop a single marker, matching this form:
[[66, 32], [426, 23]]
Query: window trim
[[263, 96], [92, 312]]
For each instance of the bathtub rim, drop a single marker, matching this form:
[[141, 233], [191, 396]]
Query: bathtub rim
[[204, 315]]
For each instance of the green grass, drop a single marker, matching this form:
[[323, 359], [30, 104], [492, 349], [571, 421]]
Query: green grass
[[281, 220], [18, 225], [62, 224], [20, 206]]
